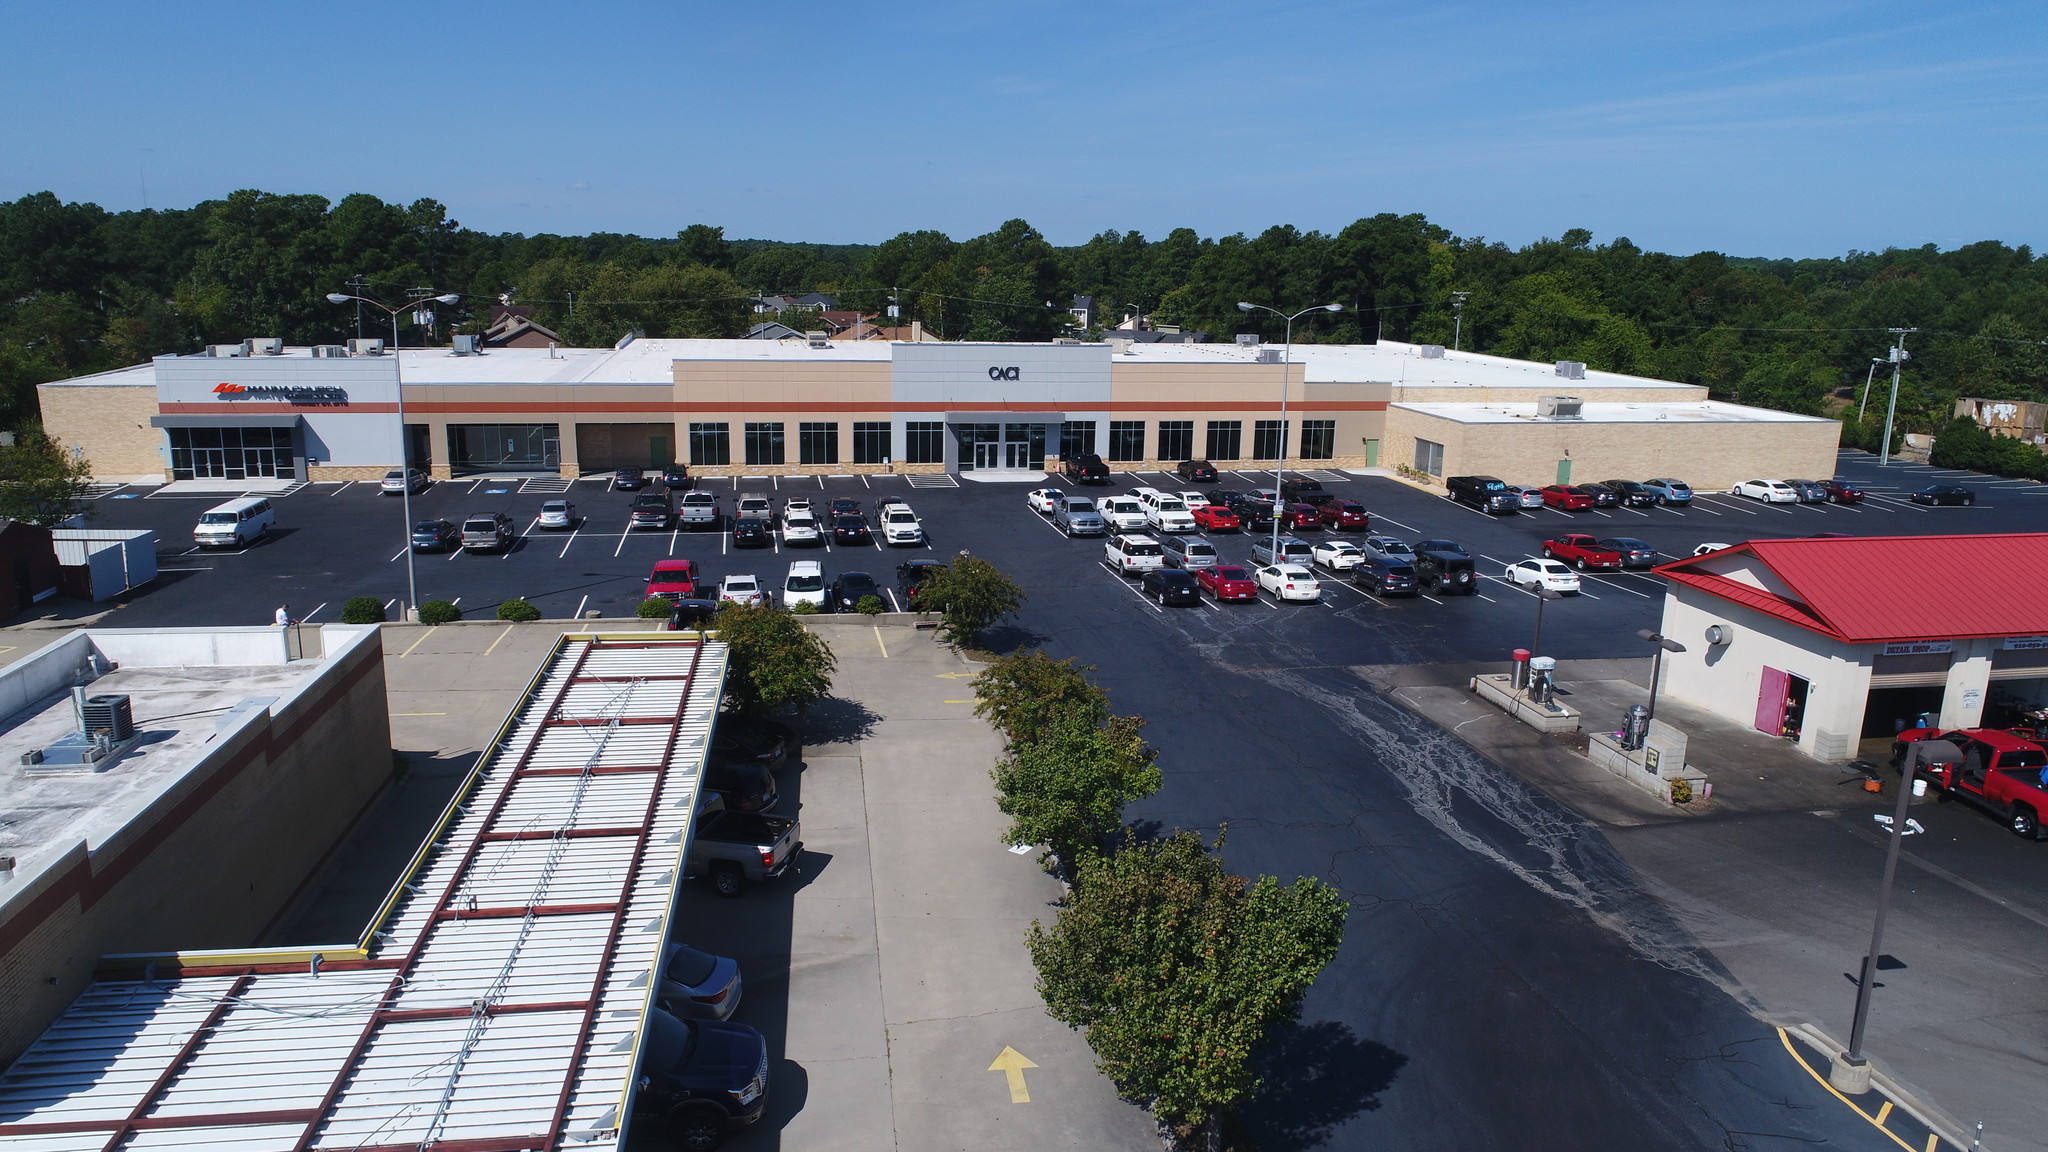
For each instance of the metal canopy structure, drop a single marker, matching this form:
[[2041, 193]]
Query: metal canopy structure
[[495, 1003]]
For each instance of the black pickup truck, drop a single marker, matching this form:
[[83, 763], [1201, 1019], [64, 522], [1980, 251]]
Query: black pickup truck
[[1085, 469], [734, 847]]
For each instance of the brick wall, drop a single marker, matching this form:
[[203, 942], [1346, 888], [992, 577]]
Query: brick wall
[[111, 422]]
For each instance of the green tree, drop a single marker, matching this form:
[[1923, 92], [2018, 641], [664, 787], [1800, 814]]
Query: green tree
[[775, 662], [1178, 970], [1026, 692], [970, 595], [41, 482], [1067, 788]]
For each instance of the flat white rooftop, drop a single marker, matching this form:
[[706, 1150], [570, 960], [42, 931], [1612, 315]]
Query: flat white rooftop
[[1609, 412]]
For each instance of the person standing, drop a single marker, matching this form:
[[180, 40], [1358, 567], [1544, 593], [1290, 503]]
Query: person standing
[[284, 615]]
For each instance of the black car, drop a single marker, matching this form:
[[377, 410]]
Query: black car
[[1445, 568], [1632, 494], [843, 507], [1386, 578], [629, 479], [851, 531], [1944, 494], [745, 785], [751, 532], [911, 575], [846, 592], [760, 743], [1171, 586], [1634, 553], [676, 477], [692, 615], [1196, 471], [435, 536], [1603, 496], [1299, 491], [1223, 496], [702, 1078]]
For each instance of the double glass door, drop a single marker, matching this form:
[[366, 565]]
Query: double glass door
[[231, 453], [998, 446]]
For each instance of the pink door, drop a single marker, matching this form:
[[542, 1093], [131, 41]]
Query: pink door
[[1770, 702]]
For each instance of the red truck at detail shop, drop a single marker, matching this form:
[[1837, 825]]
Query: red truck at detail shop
[[1993, 769]]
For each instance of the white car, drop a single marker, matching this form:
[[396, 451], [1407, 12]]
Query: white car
[[1193, 500], [1290, 582], [800, 527], [1703, 549], [1549, 574], [1128, 554], [741, 590], [556, 515], [1338, 555], [1044, 500], [1768, 491], [1168, 514], [404, 480], [805, 584], [1122, 513], [900, 525]]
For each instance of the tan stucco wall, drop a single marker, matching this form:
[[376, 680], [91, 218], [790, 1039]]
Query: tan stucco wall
[[1705, 455], [1525, 394], [111, 422]]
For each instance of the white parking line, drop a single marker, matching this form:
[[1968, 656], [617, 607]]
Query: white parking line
[[308, 617], [864, 481], [1397, 523], [512, 544], [397, 554], [346, 485], [893, 606], [1609, 581], [580, 604], [1724, 504], [1131, 588], [622, 538], [573, 532], [672, 541]]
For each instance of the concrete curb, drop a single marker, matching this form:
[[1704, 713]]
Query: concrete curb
[[1908, 1101]]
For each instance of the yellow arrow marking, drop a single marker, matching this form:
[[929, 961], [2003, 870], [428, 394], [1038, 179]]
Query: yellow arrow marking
[[956, 675], [1012, 1063]]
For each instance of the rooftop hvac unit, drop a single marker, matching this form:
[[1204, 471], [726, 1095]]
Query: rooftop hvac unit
[[1248, 339], [110, 714], [1064, 340], [818, 339], [329, 351], [1430, 351], [1269, 355], [266, 346], [1561, 407], [1120, 345], [465, 344], [366, 347], [227, 350], [1571, 369]]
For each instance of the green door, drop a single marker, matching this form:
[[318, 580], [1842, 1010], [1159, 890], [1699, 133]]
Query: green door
[[1564, 471], [1372, 453], [657, 452]]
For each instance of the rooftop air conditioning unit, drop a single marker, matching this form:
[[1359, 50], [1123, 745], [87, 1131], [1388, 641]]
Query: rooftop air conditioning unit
[[1064, 340], [465, 344], [1430, 351], [1561, 407], [111, 714], [227, 350], [329, 351], [1121, 345], [365, 347], [266, 346], [1248, 339], [818, 339], [1571, 369], [1269, 355]]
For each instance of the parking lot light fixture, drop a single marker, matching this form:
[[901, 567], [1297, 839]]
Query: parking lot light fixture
[[1664, 644], [413, 300], [1286, 370], [1543, 595]]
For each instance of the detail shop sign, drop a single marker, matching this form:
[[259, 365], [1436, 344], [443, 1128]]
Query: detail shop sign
[[287, 393]]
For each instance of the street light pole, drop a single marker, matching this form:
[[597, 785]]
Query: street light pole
[[1899, 357], [1664, 644], [412, 585], [1542, 596], [1867, 378], [1458, 311], [1286, 374], [1852, 1067]]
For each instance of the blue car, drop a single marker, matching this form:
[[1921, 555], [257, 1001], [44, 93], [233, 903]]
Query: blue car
[[1665, 490]]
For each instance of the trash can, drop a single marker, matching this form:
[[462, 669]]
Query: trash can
[[1635, 726], [1542, 669], [1519, 672]]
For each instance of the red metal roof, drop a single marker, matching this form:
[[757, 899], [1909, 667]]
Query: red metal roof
[[1875, 589]]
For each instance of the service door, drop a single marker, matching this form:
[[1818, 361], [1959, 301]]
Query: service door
[[1770, 702]]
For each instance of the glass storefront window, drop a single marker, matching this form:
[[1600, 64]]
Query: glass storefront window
[[711, 444], [232, 453]]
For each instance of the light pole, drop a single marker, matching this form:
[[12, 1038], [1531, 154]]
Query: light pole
[[1899, 356], [412, 586], [1867, 378], [1286, 370], [1458, 312], [1664, 644], [1543, 595], [1852, 1071]]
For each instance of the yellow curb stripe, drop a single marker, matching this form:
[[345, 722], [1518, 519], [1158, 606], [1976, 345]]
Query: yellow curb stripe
[[1786, 1040]]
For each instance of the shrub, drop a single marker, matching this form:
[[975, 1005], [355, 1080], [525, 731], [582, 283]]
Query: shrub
[[439, 612], [1067, 789], [870, 606], [362, 610], [1027, 692], [775, 662], [803, 608], [520, 610], [654, 608], [969, 594]]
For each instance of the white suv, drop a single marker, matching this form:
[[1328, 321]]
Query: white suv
[[1129, 554], [1167, 513], [900, 525], [800, 527], [805, 584]]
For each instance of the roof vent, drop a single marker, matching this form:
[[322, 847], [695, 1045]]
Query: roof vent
[[1560, 407], [465, 343], [227, 350], [364, 347], [329, 351], [266, 346], [1248, 339], [1269, 355], [1571, 369], [818, 339], [1430, 351], [628, 338]]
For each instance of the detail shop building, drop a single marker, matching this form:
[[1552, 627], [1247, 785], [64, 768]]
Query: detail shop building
[[258, 411], [1837, 644]]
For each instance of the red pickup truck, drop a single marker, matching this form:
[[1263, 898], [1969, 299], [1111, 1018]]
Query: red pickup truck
[[1993, 769], [1582, 551]]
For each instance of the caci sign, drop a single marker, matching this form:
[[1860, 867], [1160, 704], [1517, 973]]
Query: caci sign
[[1005, 373]]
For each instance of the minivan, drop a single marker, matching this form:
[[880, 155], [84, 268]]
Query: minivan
[[234, 524]]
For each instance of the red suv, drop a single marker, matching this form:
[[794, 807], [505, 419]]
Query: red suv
[[1347, 515]]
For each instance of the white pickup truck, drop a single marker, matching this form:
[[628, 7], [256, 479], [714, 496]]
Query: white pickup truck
[[734, 847]]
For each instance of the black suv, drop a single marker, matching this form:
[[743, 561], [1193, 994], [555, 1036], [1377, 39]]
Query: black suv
[[1386, 578], [703, 1077], [1444, 568], [1300, 491], [1486, 493], [1088, 469], [1251, 510], [1196, 471], [1170, 586]]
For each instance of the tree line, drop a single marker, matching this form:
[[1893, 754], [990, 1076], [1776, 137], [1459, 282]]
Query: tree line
[[83, 289]]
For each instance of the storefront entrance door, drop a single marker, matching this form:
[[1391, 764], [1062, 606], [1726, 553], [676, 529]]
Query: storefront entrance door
[[987, 454]]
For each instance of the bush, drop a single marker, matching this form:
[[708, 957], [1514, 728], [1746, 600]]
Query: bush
[[654, 609], [362, 610], [969, 594], [439, 612], [803, 608], [870, 606], [519, 610], [1027, 692]]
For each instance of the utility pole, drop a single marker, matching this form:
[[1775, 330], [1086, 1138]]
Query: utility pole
[[1899, 357], [1867, 378], [1458, 311]]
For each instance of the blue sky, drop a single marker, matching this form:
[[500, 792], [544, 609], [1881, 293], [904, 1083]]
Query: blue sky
[[1780, 129]]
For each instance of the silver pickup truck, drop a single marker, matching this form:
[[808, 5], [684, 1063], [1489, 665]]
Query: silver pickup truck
[[734, 847]]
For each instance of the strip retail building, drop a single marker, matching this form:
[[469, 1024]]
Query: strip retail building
[[737, 407]]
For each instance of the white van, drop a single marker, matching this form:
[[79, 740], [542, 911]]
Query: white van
[[234, 524]]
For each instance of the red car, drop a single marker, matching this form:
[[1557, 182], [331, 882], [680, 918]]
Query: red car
[[1227, 582], [1300, 517], [1582, 551], [1345, 514], [1841, 491], [673, 580], [1567, 497], [1215, 518]]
